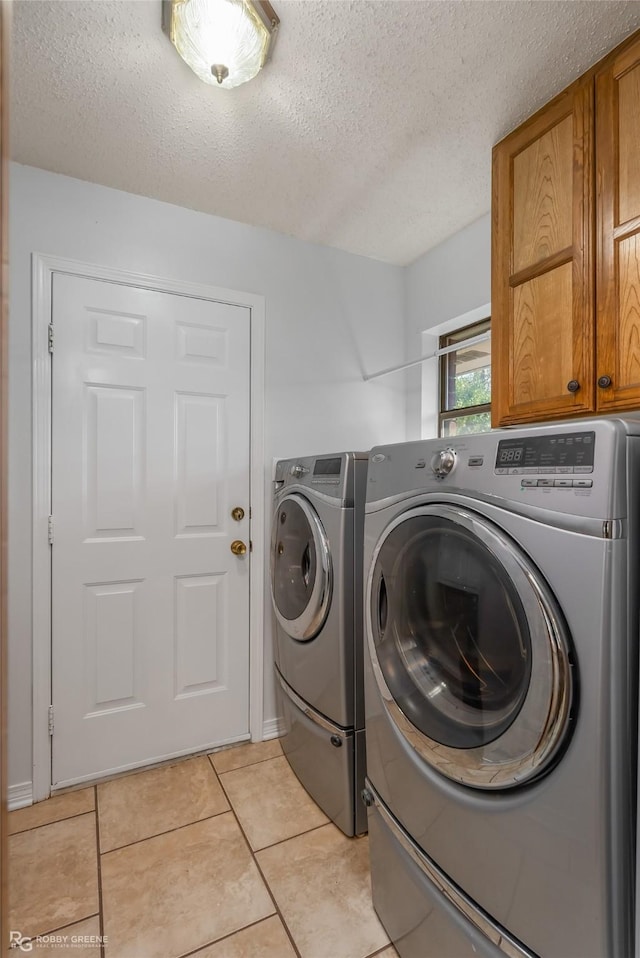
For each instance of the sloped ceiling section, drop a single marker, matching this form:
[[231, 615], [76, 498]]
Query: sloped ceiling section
[[370, 131]]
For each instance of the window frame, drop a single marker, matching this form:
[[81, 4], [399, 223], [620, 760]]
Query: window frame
[[457, 337]]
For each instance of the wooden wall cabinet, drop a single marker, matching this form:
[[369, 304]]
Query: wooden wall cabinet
[[566, 252], [618, 219]]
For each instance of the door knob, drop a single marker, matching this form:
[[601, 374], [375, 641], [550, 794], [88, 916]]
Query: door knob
[[238, 547], [237, 513]]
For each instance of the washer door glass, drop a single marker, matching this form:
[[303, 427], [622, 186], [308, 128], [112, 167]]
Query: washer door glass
[[468, 647], [301, 573]]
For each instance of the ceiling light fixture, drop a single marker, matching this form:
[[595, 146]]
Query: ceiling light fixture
[[225, 42]]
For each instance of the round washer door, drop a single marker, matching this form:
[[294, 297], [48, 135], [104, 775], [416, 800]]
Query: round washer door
[[301, 571], [468, 647]]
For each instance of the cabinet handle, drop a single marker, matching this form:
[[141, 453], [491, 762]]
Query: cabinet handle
[[573, 386], [604, 382]]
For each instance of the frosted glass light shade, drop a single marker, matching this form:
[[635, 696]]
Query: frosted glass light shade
[[225, 42]]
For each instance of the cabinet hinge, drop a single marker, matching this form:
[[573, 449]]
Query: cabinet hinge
[[50, 339], [50, 529], [51, 720]]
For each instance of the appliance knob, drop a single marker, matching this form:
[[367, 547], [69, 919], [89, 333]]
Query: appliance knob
[[443, 462], [298, 471]]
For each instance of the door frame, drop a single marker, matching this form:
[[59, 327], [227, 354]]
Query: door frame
[[43, 267]]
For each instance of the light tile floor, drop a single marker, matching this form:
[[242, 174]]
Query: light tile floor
[[218, 856]]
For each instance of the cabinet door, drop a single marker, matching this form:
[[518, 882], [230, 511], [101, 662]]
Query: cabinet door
[[618, 230], [542, 264]]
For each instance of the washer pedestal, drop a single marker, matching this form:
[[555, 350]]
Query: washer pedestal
[[419, 918], [322, 756]]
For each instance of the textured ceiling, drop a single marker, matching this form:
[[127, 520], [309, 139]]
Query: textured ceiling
[[371, 129]]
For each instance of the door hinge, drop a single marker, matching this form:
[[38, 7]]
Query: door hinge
[[50, 529], [51, 720], [50, 338]]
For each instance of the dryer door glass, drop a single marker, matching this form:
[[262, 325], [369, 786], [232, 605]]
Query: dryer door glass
[[301, 574], [468, 646]]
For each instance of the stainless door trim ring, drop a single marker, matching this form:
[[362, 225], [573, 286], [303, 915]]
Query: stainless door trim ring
[[307, 625], [535, 736], [335, 502], [452, 893]]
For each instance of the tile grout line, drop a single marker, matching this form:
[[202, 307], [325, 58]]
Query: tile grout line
[[307, 831], [381, 951], [261, 873], [65, 818], [168, 831], [69, 924], [260, 761], [218, 941], [100, 905], [176, 828]]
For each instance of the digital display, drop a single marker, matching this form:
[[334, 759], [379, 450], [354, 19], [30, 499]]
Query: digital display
[[327, 467], [510, 456], [563, 452]]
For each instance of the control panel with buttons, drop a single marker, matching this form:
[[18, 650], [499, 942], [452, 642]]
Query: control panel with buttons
[[557, 483], [552, 461]]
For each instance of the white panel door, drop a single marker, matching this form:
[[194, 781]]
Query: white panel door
[[150, 453]]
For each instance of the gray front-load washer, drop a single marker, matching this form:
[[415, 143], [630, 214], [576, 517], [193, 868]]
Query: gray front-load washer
[[316, 588], [501, 621]]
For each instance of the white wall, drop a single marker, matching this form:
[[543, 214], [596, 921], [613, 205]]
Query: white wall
[[448, 281], [330, 316]]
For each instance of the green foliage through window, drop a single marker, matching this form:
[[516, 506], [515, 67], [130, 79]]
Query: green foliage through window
[[465, 382]]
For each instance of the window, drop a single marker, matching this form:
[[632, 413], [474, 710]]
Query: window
[[465, 381]]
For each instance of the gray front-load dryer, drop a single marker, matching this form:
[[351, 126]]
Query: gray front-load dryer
[[316, 588], [501, 594]]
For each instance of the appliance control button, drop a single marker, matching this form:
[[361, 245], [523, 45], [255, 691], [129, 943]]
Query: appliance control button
[[563, 483], [443, 462], [475, 460], [583, 469], [545, 482], [528, 483], [583, 483]]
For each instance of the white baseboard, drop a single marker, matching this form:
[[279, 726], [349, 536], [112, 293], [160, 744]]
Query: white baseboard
[[18, 796], [272, 728]]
